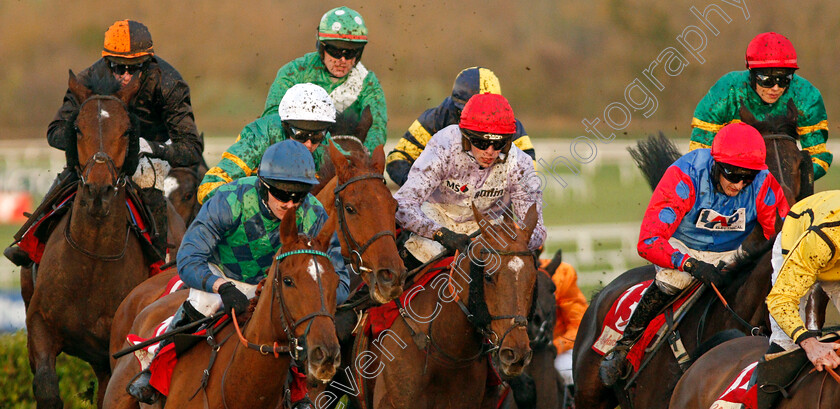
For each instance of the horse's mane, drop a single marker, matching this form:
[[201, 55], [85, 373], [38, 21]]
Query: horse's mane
[[653, 157], [746, 261], [345, 123], [784, 124], [102, 83]]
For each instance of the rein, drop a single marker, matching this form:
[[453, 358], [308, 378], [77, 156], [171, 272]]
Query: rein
[[775, 138], [355, 261]]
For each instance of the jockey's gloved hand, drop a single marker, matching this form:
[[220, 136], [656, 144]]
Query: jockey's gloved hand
[[704, 272], [232, 298], [451, 240]]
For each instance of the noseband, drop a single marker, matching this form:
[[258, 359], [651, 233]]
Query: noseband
[[355, 261]]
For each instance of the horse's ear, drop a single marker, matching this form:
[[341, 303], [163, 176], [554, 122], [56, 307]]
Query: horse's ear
[[127, 92], [378, 159], [365, 122], [288, 228], [747, 116], [78, 90], [479, 218], [792, 112], [531, 219], [327, 231], [339, 161]]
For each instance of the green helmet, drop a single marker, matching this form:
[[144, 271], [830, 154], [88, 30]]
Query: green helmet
[[342, 24]]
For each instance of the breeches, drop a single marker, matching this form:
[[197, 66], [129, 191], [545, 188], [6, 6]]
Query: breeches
[[672, 281], [424, 249], [208, 303]]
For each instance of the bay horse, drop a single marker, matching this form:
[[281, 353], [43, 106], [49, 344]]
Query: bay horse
[[746, 294], [181, 186], [478, 308], [297, 306], [712, 373], [92, 258], [364, 210]]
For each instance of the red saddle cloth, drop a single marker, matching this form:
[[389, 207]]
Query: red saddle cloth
[[738, 392], [34, 245], [616, 321], [383, 316]]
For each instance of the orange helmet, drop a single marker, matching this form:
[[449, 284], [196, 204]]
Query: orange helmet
[[127, 39]]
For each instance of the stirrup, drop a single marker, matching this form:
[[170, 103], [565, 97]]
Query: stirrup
[[614, 366], [17, 256], [140, 388], [304, 403]]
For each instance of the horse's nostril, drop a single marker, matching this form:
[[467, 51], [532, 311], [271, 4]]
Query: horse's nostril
[[386, 276], [317, 355], [507, 356]]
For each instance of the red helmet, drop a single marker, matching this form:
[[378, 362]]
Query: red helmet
[[739, 145], [488, 113], [771, 50]]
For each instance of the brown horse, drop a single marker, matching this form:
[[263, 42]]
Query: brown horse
[[297, 305], [92, 250], [746, 296], [349, 133], [365, 223], [455, 322], [710, 375], [181, 185]]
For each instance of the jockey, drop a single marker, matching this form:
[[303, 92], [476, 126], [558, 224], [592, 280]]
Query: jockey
[[701, 211], [765, 89], [163, 122], [803, 255], [336, 67], [304, 114], [245, 213], [469, 163], [470, 81]]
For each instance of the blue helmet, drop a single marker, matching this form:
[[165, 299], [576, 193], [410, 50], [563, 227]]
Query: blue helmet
[[288, 161]]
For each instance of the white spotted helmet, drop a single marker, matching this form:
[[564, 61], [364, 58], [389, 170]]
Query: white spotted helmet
[[307, 102]]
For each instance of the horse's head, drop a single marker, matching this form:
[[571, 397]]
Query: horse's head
[[502, 277], [304, 284], [543, 314], [103, 127], [349, 132], [790, 166], [366, 220], [180, 188]]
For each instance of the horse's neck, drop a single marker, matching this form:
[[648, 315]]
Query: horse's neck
[[452, 328], [261, 326]]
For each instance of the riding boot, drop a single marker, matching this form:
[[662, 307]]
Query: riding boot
[[298, 391], [140, 387], [154, 200], [614, 365]]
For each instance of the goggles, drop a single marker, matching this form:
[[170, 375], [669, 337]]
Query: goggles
[[303, 135], [482, 141], [768, 81], [736, 174], [121, 69], [338, 53], [284, 196]]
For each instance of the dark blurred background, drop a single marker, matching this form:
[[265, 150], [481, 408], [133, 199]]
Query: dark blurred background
[[558, 62]]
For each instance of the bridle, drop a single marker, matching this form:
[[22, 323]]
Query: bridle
[[118, 179], [297, 347], [355, 261], [776, 137]]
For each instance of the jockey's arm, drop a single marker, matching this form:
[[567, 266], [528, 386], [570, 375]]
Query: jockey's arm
[[187, 146], [771, 206], [663, 215], [525, 192], [798, 273], [813, 132], [373, 97], [61, 130], [416, 138], [200, 242], [340, 267], [285, 79], [425, 176], [713, 111]]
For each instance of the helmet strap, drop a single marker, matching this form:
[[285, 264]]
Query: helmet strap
[[716, 177]]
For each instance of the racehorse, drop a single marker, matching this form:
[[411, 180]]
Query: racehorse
[[348, 132], [296, 307], [745, 295], [92, 251], [181, 186], [364, 211], [540, 386], [711, 374], [477, 309]]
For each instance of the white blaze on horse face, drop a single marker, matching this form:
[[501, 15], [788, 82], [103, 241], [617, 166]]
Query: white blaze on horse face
[[516, 264], [314, 269], [103, 114], [170, 184]]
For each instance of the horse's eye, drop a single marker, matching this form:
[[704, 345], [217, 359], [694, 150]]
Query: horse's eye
[[489, 278], [350, 209], [288, 282]]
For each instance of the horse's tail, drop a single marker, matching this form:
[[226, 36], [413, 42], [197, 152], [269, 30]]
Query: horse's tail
[[653, 156], [714, 341]]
